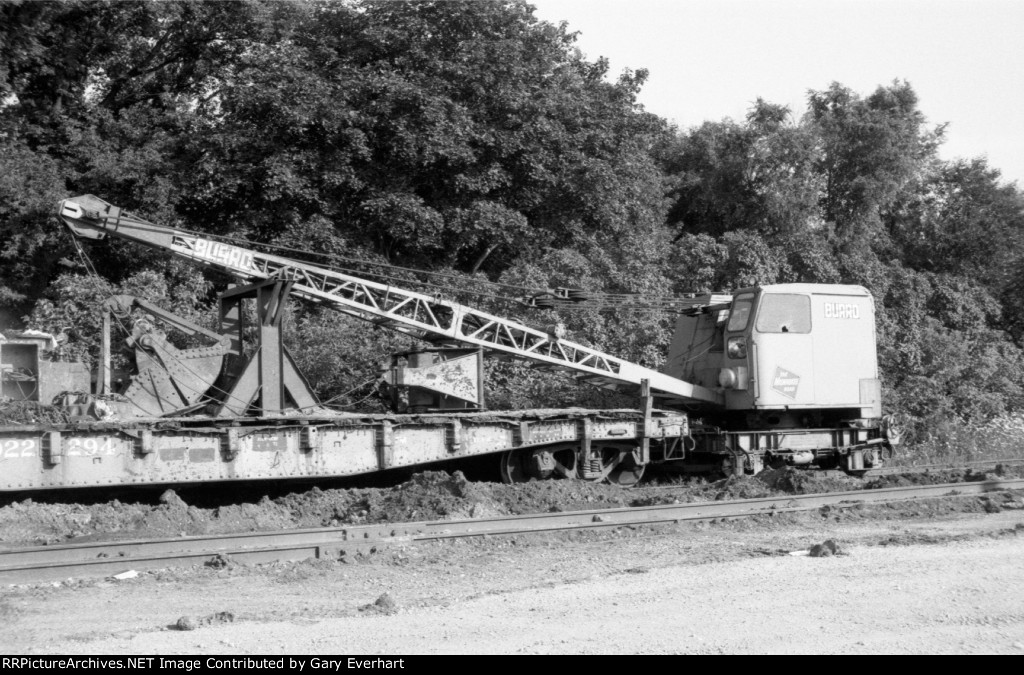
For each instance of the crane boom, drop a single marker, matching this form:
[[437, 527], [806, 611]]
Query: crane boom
[[416, 314]]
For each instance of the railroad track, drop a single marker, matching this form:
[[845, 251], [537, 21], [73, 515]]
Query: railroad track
[[48, 563]]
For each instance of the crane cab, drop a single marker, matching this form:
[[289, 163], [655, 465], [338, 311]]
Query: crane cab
[[784, 348], [797, 368]]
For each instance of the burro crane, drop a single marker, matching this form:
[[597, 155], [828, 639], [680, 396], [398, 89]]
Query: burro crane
[[767, 375]]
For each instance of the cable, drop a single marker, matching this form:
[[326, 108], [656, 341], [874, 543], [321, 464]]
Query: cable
[[352, 405], [597, 301], [86, 261], [355, 388], [28, 396], [147, 226]]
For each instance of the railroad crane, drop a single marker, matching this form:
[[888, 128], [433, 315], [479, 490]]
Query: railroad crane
[[770, 374]]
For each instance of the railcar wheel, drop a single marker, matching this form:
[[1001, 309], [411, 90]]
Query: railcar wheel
[[626, 472], [614, 464], [727, 466], [525, 464]]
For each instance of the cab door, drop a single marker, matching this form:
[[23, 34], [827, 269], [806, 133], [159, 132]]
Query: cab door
[[844, 349], [783, 351]]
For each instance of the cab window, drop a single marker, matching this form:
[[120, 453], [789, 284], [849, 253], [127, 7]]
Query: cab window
[[782, 313], [740, 314]]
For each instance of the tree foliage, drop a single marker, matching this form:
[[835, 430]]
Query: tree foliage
[[473, 140]]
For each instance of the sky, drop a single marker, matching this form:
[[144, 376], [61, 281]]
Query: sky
[[711, 59]]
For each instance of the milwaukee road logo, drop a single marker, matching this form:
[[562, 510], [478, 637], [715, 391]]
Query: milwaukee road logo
[[785, 382], [215, 252]]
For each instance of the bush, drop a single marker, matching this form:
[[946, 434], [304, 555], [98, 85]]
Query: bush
[[955, 441]]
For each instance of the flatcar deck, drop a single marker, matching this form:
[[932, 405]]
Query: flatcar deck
[[83, 453]]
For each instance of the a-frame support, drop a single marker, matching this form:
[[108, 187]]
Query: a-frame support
[[269, 382]]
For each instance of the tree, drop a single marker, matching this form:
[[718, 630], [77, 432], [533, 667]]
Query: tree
[[63, 57], [950, 225], [871, 151], [466, 133], [758, 175], [98, 97], [30, 186]]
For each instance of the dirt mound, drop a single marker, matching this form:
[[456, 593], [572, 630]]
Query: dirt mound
[[29, 522], [741, 487], [792, 481], [559, 495], [431, 495], [964, 475]]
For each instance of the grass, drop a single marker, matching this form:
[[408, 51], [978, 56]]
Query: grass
[[955, 442]]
